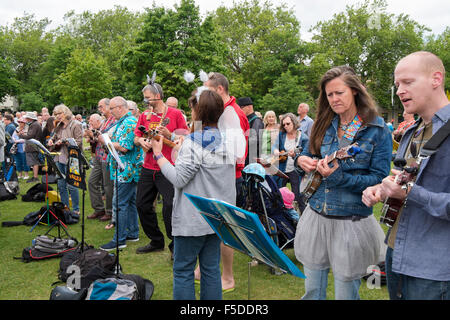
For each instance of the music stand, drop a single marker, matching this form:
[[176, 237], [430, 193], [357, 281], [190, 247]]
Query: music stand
[[243, 231], [119, 164], [48, 161], [77, 170]]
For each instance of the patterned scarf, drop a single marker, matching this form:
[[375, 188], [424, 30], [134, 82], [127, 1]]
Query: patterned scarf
[[352, 128]]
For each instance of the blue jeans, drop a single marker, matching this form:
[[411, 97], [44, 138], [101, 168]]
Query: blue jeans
[[21, 162], [316, 283], [403, 287], [127, 217], [186, 251], [62, 188]]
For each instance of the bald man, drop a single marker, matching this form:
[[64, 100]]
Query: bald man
[[172, 102], [417, 258], [305, 121], [99, 179]]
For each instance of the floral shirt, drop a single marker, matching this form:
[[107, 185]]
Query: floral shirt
[[133, 159]]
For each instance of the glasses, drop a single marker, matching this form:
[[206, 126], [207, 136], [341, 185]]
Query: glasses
[[287, 124]]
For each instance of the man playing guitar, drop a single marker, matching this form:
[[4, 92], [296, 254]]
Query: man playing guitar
[[417, 259]]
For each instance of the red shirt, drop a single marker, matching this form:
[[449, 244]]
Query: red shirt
[[245, 128], [177, 124]]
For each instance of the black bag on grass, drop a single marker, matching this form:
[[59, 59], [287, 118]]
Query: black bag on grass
[[45, 247], [86, 261], [97, 264], [58, 209], [9, 190], [36, 193]]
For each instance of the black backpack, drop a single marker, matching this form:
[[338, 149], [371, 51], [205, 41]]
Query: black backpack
[[36, 193], [90, 261], [97, 264]]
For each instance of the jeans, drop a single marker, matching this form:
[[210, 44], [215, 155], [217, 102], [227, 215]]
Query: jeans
[[316, 283], [403, 287], [62, 188], [127, 218], [186, 251], [21, 162]]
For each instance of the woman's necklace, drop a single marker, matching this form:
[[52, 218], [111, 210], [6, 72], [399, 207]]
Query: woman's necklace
[[344, 126], [350, 129]]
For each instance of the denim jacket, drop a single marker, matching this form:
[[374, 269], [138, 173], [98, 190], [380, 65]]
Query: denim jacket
[[279, 144], [340, 193], [422, 243]]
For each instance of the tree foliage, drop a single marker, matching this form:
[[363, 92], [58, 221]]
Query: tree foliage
[[370, 40], [263, 41], [255, 44], [85, 81], [170, 43]]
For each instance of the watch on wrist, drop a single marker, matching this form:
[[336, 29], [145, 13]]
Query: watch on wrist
[[158, 156]]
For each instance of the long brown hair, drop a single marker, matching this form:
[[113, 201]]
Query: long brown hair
[[365, 104]]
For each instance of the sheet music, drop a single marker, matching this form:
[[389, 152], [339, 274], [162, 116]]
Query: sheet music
[[38, 145], [113, 151]]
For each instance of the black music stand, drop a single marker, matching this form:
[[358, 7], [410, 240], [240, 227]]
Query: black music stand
[[49, 162], [119, 164], [77, 166]]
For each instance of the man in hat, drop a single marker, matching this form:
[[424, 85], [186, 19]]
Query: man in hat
[[34, 132], [256, 129]]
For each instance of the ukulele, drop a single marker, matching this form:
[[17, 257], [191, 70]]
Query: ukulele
[[150, 134], [391, 207], [312, 180]]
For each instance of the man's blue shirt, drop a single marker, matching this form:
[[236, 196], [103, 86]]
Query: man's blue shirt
[[422, 244]]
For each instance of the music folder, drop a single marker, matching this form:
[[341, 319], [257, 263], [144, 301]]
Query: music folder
[[243, 231]]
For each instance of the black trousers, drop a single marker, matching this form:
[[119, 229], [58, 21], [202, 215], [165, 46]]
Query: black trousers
[[294, 179], [150, 183]]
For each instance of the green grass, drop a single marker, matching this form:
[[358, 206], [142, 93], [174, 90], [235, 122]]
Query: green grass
[[33, 281]]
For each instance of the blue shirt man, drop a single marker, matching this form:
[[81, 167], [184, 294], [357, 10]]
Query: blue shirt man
[[125, 179], [305, 121], [418, 264]]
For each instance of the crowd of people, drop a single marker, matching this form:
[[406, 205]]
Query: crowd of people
[[165, 153]]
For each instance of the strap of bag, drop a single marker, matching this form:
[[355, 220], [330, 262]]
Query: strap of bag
[[436, 140]]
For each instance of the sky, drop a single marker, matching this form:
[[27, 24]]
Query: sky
[[435, 14]]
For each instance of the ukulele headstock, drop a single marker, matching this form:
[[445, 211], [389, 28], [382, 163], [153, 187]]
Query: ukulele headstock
[[348, 152]]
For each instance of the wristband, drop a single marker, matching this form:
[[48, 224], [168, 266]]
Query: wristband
[[157, 157]]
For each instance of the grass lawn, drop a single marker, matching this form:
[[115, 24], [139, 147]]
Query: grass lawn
[[33, 281]]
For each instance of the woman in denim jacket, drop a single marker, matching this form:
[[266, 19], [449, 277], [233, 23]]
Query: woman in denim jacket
[[292, 141], [337, 230]]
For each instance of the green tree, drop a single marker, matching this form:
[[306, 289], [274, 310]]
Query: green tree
[[264, 42], [8, 83], [26, 44], [285, 96], [85, 81], [440, 46], [170, 43], [55, 65], [370, 40], [32, 101], [109, 33]]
